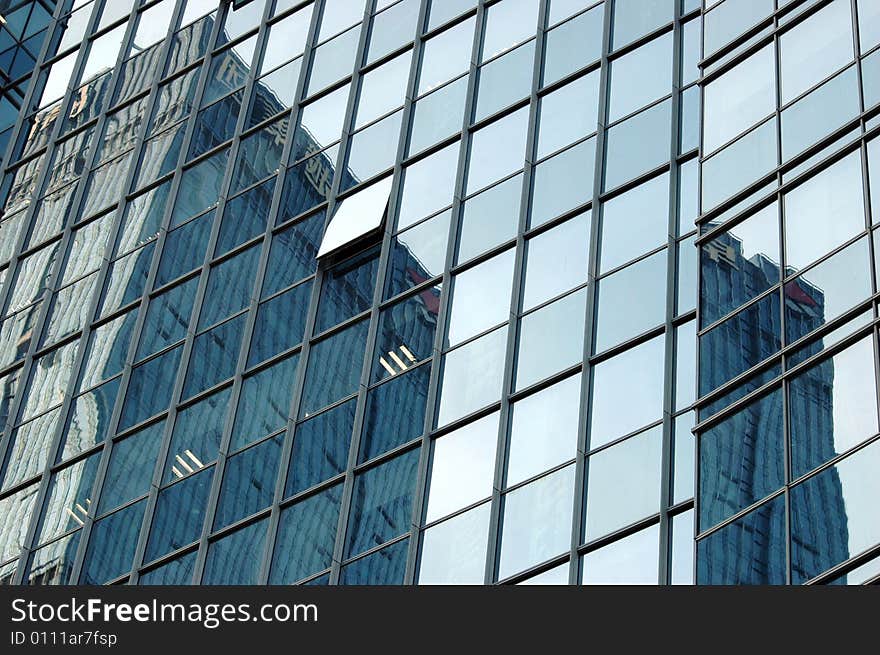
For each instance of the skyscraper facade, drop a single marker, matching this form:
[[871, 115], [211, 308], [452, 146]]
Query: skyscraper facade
[[413, 291]]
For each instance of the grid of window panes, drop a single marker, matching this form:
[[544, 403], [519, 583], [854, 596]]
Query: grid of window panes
[[788, 426], [495, 387], [23, 31]]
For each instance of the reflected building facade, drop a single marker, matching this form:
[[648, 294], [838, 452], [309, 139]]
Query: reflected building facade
[[352, 292]]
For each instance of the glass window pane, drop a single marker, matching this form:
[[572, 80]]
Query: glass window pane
[[551, 339], [836, 191], [334, 369], [563, 182], [618, 406], [179, 514], [505, 80], [69, 499], [573, 44], [167, 318], [406, 334], [427, 186], [196, 436], [497, 149], [264, 404], [214, 356], [739, 264], [833, 514], [472, 376], [684, 458], [481, 297], [385, 567], [462, 467], [833, 407], [446, 55], [149, 388], [235, 559], [568, 114], [741, 459], [418, 254], [438, 115], [633, 560], [392, 28], [489, 218], [320, 448], [544, 430], [751, 550], [557, 260], [454, 552], [633, 18], [508, 23], [537, 522], [347, 289], [640, 77], [178, 571], [280, 323], [131, 466], [382, 89], [306, 534], [623, 483], [230, 286], [382, 503], [815, 48], [618, 321], [739, 98], [395, 413], [112, 544], [638, 144], [248, 482], [635, 222]]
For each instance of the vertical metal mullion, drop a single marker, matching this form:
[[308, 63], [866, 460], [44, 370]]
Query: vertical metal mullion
[[445, 283], [45, 303], [344, 144], [299, 374], [155, 484], [204, 275], [493, 552], [420, 494], [670, 368], [582, 463], [140, 321]]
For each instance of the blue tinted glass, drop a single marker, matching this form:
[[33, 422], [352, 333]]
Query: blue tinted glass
[[418, 254], [382, 503], [235, 559], [179, 515], [293, 254], [395, 413], [130, 471], [280, 323], [53, 564], [149, 388], [127, 279], [199, 187], [406, 334], [215, 124], [633, 18], [259, 154], [334, 368], [306, 535], [489, 218], [833, 407], [739, 343], [69, 499], [751, 550], [89, 418], [385, 567], [264, 403], [229, 286], [573, 44], [833, 514], [741, 459], [245, 216], [176, 572], [638, 144], [347, 289], [196, 435], [112, 544], [320, 448], [167, 318], [184, 248], [248, 482], [214, 355]]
